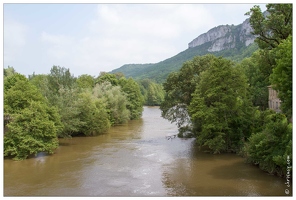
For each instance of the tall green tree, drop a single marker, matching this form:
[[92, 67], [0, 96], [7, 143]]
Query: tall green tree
[[281, 77], [93, 115], [59, 77], [85, 81], [257, 80], [179, 88], [8, 71], [220, 108], [115, 101], [274, 31], [34, 125], [18, 93], [68, 106], [30, 132], [42, 83], [11, 80], [130, 87], [104, 76], [135, 99]]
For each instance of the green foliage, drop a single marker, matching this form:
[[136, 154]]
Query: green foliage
[[179, 88], [41, 82], [34, 125], [85, 81], [135, 99], [220, 107], [115, 101], [271, 29], [273, 26], [59, 77], [270, 147], [281, 77], [10, 81], [257, 81], [159, 72], [92, 114], [155, 95], [111, 78], [19, 93], [67, 103], [8, 71], [77, 107], [131, 89], [152, 92], [274, 30], [32, 130]]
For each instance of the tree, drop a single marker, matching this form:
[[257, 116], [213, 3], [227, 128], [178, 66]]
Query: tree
[[30, 132], [135, 99], [34, 125], [152, 92], [274, 31], [59, 77], [179, 88], [272, 26], [281, 77], [104, 76], [93, 115], [114, 100], [41, 81], [18, 93], [11, 80], [85, 81], [257, 79], [8, 71], [68, 106], [220, 108], [130, 87], [155, 94], [65, 100], [270, 146]]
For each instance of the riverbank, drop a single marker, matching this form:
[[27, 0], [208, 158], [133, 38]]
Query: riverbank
[[136, 159]]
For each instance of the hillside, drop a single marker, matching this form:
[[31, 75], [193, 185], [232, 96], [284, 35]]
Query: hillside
[[229, 41]]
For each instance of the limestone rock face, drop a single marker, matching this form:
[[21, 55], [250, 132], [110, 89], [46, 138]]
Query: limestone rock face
[[225, 37]]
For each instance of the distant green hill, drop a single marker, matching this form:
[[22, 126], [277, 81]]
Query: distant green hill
[[229, 41], [159, 71]]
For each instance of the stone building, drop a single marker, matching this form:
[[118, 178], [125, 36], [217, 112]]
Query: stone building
[[274, 102]]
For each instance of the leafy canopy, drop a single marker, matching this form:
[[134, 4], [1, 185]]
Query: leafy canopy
[[220, 106]]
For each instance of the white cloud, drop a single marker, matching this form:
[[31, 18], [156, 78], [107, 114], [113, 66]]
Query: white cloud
[[117, 34], [143, 33], [59, 46], [14, 39]]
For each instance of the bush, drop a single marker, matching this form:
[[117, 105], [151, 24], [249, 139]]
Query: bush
[[31, 131], [270, 147]]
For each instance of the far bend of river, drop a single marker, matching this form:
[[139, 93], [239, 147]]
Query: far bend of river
[[136, 159]]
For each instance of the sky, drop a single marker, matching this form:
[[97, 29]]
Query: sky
[[92, 38]]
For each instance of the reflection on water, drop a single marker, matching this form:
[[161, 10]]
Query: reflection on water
[[136, 159], [219, 175]]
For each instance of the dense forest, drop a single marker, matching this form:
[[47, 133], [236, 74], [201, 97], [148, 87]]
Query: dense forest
[[224, 104], [42, 108]]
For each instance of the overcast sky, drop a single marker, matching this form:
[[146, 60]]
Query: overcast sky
[[91, 38]]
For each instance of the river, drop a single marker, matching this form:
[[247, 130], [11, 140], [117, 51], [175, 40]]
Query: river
[[136, 159]]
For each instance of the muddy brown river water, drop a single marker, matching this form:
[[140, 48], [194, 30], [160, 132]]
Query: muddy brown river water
[[136, 159]]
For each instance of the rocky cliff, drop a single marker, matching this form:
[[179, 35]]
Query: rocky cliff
[[229, 41], [226, 37]]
